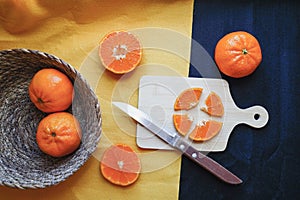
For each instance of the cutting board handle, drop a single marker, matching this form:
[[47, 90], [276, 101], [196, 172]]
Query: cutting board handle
[[255, 116]]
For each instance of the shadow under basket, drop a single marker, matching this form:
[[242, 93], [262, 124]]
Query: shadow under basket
[[22, 164]]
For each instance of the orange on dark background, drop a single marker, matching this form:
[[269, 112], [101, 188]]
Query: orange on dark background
[[238, 54]]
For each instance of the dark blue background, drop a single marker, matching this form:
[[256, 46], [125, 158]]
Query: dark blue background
[[266, 159]]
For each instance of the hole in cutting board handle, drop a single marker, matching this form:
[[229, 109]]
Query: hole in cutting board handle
[[255, 116]]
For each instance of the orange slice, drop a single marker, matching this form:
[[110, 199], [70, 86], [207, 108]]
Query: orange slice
[[188, 99], [214, 105], [206, 130], [120, 52], [120, 165], [182, 123]]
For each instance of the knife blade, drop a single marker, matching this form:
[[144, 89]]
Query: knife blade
[[179, 144]]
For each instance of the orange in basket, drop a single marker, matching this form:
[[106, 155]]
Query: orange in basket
[[188, 99], [51, 90], [205, 130], [182, 123], [214, 105], [120, 52], [120, 165], [58, 134]]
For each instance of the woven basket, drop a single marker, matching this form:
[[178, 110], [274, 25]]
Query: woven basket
[[22, 164]]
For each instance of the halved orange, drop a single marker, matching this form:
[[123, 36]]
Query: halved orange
[[214, 105], [188, 99], [182, 123], [205, 130], [120, 165], [120, 52]]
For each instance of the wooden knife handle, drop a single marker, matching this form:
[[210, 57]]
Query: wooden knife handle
[[207, 163]]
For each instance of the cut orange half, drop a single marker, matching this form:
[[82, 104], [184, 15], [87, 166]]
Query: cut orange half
[[188, 99], [182, 123], [120, 52], [214, 105], [205, 130], [120, 165]]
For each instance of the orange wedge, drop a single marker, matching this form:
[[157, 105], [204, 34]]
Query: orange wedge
[[120, 165], [120, 52], [182, 123], [205, 130], [188, 99], [214, 105]]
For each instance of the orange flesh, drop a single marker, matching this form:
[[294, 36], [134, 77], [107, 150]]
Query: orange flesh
[[188, 99], [182, 123], [120, 52], [214, 105], [120, 165], [205, 131]]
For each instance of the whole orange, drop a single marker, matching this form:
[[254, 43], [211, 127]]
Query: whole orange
[[238, 54], [58, 134], [51, 90]]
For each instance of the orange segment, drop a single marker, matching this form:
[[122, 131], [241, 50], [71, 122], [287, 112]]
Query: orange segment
[[182, 123], [188, 99], [206, 130], [214, 105], [120, 165], [120, 52]]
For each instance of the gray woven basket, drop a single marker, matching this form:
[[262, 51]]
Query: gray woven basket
[[22, 164]]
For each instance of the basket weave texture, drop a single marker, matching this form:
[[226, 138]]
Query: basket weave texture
[[22, 164]]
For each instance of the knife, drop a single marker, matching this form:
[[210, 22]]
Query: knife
[[179, 144]]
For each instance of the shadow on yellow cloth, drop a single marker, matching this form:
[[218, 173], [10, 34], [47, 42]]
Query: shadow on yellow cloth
[[71, 30]]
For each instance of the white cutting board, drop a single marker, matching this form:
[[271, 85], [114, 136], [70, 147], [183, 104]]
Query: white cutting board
[[157, 95]]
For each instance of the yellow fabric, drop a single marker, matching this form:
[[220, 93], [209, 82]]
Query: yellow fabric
[[71, 30]]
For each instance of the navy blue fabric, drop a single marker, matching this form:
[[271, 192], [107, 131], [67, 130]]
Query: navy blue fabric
[[266, 159]]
